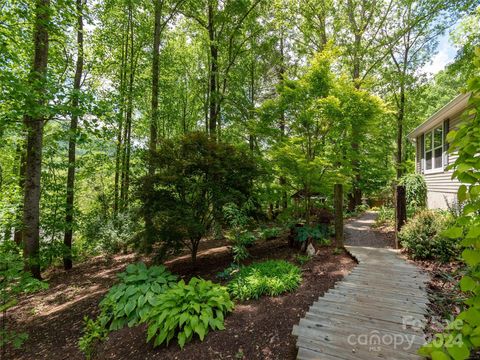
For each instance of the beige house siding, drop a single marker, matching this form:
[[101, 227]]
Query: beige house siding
[[442, 189]]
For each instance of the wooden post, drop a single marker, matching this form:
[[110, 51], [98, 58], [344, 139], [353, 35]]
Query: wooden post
[[338, 201], [400, 210]]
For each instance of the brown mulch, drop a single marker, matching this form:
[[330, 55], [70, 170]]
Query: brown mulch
[[257, 329], [443, 292]]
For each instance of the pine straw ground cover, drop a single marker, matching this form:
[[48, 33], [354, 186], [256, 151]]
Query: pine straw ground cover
[[257, 329]]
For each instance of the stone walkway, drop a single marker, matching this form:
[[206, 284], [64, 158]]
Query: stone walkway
[[376, 312]]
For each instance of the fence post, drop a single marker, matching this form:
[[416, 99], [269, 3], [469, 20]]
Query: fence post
[[338, 201], [400, 210]]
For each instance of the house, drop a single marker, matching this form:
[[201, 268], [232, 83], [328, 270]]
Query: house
[[431, 153]]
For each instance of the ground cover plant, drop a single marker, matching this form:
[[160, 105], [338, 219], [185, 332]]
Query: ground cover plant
[[188, 309], [271, 278]]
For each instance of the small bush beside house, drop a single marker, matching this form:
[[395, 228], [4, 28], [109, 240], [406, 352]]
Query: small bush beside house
[[423, 240], [415, 191]]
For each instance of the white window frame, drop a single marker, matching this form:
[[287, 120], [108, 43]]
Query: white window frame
[[434, 169]]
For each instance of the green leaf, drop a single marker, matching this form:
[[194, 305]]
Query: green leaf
[[200, 330], [453, 232], [188, 330], [473, 232], [160, 338], [426, 350], [462, 193], [132, 289], [459, 351], [439, 355], [183, 318], [196, 307], [181, 339], [130, 306], [467, 284], [475, 340], [141, 301], [471, 257], [152, 330]]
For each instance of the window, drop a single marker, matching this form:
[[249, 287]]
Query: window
[[433, 146]]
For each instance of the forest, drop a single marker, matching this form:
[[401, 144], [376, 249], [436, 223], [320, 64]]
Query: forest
[[142, 138]]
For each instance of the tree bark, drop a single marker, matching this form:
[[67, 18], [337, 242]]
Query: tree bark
[[34, 122], [355, 197], [214, 96], [119, 152], [152, 147], [400, 117], [338, 200], [128, 122], [281, 79], [400, 211], [72, 143], [18, 234]]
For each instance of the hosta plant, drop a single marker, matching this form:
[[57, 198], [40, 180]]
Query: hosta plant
[[127, 301], [272, 277], [186, 310], [134, 295]]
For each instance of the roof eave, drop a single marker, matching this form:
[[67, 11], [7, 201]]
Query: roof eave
[[456, 105]]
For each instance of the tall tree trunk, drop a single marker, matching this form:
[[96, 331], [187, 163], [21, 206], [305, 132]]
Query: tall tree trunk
[[128, 121], [281, 78], [34, 121], [119, 151], [214, 95], [251, 138], [128, 140], [400, 117], [152, 147], [18, 234], [355, 197], [72, 142]]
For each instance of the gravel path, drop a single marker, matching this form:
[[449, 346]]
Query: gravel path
[[359, 232]]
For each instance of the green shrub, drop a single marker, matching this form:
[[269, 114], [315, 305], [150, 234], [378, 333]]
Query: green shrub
[[127, 302], [415, 191], [318, 233], [422, 237], [195, 177], [269, 233], [239, 235], [186, 309], [272, 277]]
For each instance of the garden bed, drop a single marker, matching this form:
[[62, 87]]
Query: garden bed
[[443, 292], [257, 329]]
